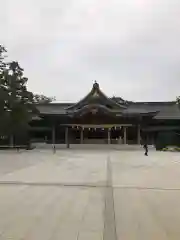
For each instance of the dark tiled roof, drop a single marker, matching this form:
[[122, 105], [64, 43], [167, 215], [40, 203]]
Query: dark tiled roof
[[96, 96], [170, 112], [151, 106], [165, 110], [53, 108], [138, 110]]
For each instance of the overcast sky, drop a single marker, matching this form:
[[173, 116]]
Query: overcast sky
[[131, 47]]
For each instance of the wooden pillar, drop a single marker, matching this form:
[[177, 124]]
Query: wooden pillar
[[125, 135], [138, 135], [53, 135], [11, 141], [67, 137], [82, 136], [109, 136]]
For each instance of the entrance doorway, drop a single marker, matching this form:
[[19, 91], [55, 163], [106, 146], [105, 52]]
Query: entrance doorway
[[97, 134]]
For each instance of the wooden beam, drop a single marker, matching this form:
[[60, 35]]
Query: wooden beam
[[97, 125]]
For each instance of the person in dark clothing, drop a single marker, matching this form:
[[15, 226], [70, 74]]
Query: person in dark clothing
[[146, 149], [54, 148]]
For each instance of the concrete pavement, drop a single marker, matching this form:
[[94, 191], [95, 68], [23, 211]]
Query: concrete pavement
[[89, 194]]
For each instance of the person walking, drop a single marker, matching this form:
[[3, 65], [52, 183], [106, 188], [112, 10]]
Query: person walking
[[54, 148], [146, 149]]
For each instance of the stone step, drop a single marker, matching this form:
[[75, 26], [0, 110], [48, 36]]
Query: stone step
[[125, 147]]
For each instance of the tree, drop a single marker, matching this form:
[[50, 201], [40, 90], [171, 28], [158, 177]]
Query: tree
[[3, 92], [17, 104], [42, 99], [178, 100]]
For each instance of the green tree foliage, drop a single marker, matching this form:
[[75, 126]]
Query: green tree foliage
[[17, 104], [43, 99], [18, 101], [3, 93], [178, 100]]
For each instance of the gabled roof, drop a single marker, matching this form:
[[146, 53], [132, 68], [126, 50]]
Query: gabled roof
[[161, 110], [96, 108], [96, 100], [52, 108], [96, 96]]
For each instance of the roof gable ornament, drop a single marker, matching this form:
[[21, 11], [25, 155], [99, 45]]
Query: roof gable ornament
[[96, 96], [95, 90], [96, 85]]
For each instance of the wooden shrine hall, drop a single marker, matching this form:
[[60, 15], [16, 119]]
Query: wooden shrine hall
[[98, 119]]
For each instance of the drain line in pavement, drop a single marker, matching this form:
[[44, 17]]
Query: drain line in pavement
[[109, 212]]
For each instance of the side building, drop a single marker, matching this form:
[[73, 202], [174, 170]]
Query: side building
[[98, 119]]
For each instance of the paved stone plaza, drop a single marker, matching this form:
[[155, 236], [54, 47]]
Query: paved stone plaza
[[89, 195]]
